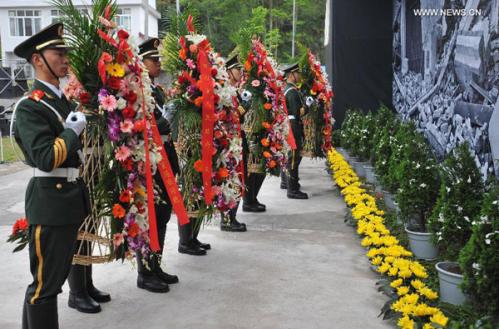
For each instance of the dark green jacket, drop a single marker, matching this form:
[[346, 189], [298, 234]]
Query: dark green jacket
[[164, 129], [295, 106], [46, 145]]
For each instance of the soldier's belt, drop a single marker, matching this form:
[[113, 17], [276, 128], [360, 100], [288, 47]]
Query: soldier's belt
[[70, 173]]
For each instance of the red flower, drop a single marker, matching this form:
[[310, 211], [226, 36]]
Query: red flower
[[125, 196], [266, 125], [272, 164], [123, 34], [265, 142], [133, 230], [114, 83], [127, 164], [140, 208], [85, 97], [199, 166], [131, 97], [139, 126], [193, 48], [214, 72], [224, 143], [36, 95], [118, 211], [20, 225], [216, 98], [223, 173], [218, 134], [267, 106], [128, 112], [267, 155]]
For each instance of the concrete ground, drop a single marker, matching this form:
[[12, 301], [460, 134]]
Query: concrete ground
[[299, 266]]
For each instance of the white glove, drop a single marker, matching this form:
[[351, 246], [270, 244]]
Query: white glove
[[246, 95], [309, 101], [76, 121]]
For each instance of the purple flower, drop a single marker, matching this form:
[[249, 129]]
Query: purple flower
[[102, 93]]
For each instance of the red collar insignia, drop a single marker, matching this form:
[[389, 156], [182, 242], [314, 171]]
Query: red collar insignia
[[36, 95]]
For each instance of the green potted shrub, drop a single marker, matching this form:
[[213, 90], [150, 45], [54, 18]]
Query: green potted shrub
[[346, 134], [383, 122], [364, 142], [458, 204], [417, 193], [479, 259]]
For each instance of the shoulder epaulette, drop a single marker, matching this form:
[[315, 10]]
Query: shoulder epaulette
[[37, 95]]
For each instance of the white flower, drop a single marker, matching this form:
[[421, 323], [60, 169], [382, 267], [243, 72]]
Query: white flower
[[422, 185], [487, 241], [476, 266], [440, 219], [195, 38], [466, 218], [469, 179], [121, 103], [459, 209], [418, 165], [448, 189]]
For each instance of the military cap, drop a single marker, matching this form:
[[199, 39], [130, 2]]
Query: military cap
[[232, 62], [291, 68], [50, 37], [149, 48]]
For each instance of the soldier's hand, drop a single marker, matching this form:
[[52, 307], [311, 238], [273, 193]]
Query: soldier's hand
[[76, 121]]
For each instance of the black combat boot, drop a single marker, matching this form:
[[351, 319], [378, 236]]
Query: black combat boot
[[284, 180], [195, 233], [186, 244], [229, 223], [147, 279], [43, 315], [79, 298], [155, 260], [96, 294], [294, 191]]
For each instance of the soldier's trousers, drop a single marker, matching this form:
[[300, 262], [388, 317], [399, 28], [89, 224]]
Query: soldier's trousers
[[294, 160], [51, 250]]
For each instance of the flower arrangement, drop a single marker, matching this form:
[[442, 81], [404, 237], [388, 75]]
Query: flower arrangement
[[117, 100], [318, 123], [458, 204], [209, 138], [413, 302], [266, 123], [19, 234]]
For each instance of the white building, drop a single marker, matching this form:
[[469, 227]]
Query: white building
[[21, 19]]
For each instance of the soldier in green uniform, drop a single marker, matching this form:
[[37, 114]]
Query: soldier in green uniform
[[296, 110], [152, 277], [230, 223], [47, 131]]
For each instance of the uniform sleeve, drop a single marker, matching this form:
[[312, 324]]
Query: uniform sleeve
[[47, 150], [293, 103]]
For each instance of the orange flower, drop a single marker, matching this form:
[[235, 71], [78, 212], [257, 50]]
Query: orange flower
[[267, 106], [118, 211], [267, 154], [198, 101], [223, 173], [265, 142], [247, 66], [182, 54], [278, 146], [133, 230], [266, 125], [198, 166], [125, 196], [272, 164]]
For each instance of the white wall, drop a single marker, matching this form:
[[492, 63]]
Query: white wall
[[139, 8]]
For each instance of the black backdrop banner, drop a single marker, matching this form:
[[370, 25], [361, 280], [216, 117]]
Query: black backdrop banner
[[362, 55]]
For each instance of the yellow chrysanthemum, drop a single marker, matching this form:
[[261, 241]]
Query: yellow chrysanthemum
[[417, 284], [401, 291], [115, 70], [428, 293], [376, 260], [396, 283], [428, 326], [440, 319], [405, 323]]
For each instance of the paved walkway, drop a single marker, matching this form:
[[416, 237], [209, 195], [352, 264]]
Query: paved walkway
[[298, 267]]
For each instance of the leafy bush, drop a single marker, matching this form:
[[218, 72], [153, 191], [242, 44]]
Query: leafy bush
[[383, 152], [349, 130], [458, 203], [364, 142], [480, 257], [384, 120], [417, 174]]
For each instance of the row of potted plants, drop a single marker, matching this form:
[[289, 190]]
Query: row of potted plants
[[449, 213]]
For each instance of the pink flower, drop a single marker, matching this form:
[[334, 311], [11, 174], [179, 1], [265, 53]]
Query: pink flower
[[118, 239], [126, 126], [255, 83], [190, 64], [122, 153], [108, 103], [124, 86]]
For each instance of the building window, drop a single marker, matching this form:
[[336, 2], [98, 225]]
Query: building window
[[56, 14], [124, 18], [24, 23]]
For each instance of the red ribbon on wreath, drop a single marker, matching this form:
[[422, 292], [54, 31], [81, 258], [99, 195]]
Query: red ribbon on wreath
[[206, 85]]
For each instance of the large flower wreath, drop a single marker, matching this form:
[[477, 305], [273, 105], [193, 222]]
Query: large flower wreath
[[318, 123], [208, 142], [266, 122], [114, 90]]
